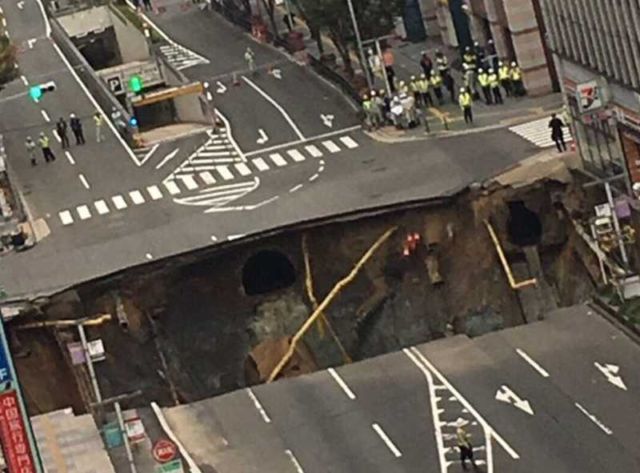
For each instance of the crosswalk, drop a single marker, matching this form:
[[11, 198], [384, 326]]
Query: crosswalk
[[538, 133], [181, 57], [211, 165], [212, 183]]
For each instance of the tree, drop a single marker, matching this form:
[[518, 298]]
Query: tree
[[375, 18], [8, 70]]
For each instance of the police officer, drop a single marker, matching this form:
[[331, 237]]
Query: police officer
[[76, 127], [483, 79], [98, 120], [516, 80], [504, 74], [463, 440], [30, 145], [403, 88], [43, 141], [469, 57], [423, 88], [413, 87], [470, 81], [442, 63], [494, 83], [61, 129], [367, 108], [378, 105], [376, 116], [465, 101], [436, 83]]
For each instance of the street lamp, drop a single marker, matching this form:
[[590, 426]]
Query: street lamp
[[359, 42]]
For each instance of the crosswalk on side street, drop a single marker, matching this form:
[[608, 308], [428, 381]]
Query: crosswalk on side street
[[181, 57], [539, 133], [209, 184]]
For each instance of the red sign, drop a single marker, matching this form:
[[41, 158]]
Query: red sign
[[13, 435], [164, 451]]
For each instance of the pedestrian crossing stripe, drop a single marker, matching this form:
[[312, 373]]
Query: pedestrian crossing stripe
[[181, 57], [349, 142], [203, 186], [538, 133], [331, 146]]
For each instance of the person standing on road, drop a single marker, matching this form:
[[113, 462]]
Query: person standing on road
[[450, 85], [504, 74], [61, 129], [557, 133], [388, 60], [426, 63], [465, 100], [147, 5], [516, 80], [442, 63], [436, 83], [98, 120], [423, 88], [483, 79], [250, 57], [463, 439], [30, 145], [494, 83], [43, 141], [76, 127]]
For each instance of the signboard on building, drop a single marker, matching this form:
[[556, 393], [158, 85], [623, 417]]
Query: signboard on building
[[135, 429], [117, 77], [14, 434], [174, 466], [590, 96]]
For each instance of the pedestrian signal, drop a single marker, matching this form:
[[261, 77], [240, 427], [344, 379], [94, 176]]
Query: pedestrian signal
[[135, 84], [37, 91], [133, 121]]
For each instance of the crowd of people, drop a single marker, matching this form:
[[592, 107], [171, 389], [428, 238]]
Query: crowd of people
[[484, 77]]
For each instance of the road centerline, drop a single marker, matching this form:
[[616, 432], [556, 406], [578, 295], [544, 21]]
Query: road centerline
[[533, 363]]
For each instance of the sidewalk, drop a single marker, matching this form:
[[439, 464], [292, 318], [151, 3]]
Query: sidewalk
[[446, 119]]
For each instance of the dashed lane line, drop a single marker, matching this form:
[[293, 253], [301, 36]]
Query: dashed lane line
[[258, 406], [341, 382], [387, 441]]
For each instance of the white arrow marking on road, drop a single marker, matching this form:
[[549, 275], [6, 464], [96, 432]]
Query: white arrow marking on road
[[504, 394], [277, 73], [263, 137], [611, 373], [327, 120], [221, 88], [167, 158], [20, 5], [31, 42], [209, 96]]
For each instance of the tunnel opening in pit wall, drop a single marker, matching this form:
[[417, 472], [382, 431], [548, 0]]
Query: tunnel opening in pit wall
[[523, 225], [267, 271]]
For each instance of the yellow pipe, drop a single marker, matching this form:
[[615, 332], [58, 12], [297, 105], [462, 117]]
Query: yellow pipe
[[327, 300], [505, 263], [98, 320]]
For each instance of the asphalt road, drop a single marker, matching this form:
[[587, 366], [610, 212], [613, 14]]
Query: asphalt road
[[398, 412], [214, 188]]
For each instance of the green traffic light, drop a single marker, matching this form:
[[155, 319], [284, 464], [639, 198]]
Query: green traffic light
[[135, 84], [35, 93]]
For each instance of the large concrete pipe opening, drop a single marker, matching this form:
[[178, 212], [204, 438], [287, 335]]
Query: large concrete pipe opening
[[523, 226], [267, 271]]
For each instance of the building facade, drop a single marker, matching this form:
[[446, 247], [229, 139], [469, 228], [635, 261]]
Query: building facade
[[596, 44], [515, 26]]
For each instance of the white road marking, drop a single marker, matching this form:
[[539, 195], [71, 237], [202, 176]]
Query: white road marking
[[189, 182], [168, 158], [149, 154], [83, 212], [45, 18], [84, 181], [594, 419], [294, 460], [70, 158], [277, 106], [119, 202], [4, 22], [508, 396], [136, 197], [338, 379], [296, 188], [314, 177], [296, 155], [327, 120], [225, 173], [231, 238], [263, 138], [260, 164], [55, 134], [101, 206], [331, 146], [154, 192], [24, 80], [385, 438], [468, 407], [45, 115], [65, 217], [207, 177], [611, 373], [243, 169], [313, 151], [172, 187], [533, 363], [349, 142], [278, 160], [253, 397]]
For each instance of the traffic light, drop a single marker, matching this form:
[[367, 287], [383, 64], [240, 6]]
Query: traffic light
[[135, 84], [37, 91]]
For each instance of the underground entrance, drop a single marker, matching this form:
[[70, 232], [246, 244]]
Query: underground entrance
[[267, 271]]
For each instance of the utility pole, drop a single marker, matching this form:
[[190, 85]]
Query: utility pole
[[363, 59]]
